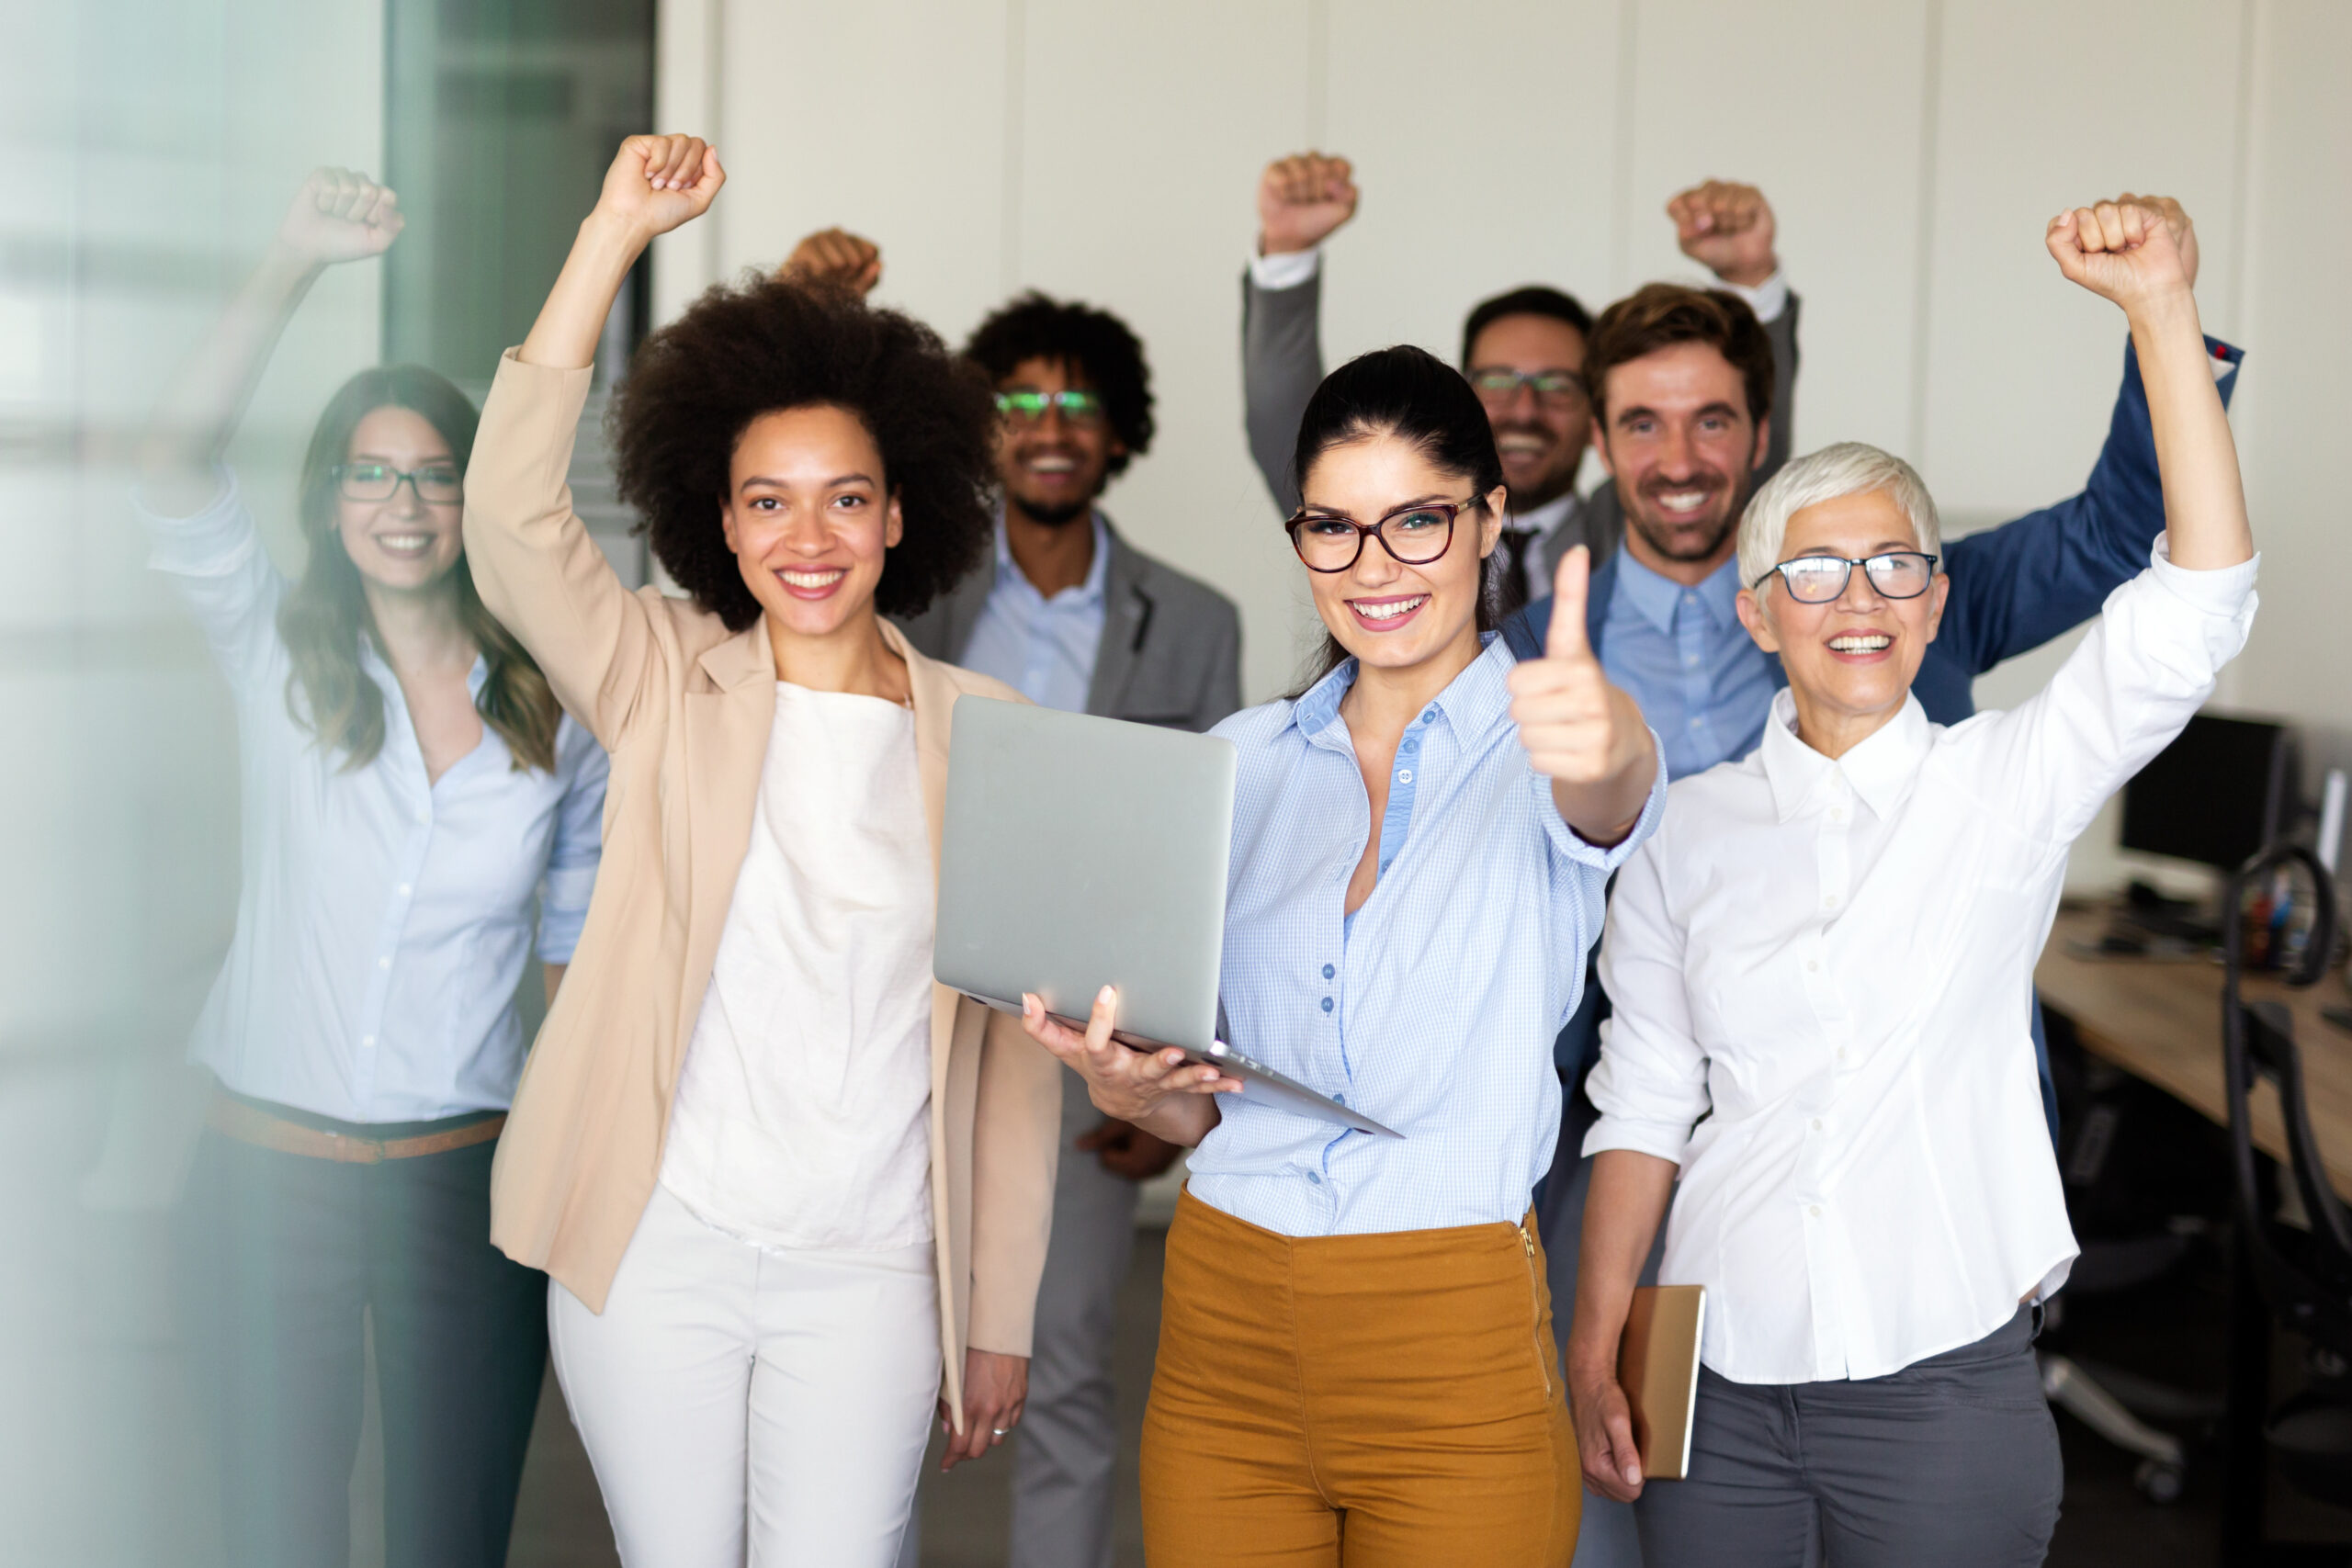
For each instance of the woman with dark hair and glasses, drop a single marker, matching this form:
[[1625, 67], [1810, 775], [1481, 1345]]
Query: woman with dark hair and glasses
[[1821, 969], [410, 793], [1356, 1342]]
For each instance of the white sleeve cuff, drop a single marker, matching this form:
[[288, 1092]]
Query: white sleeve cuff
[[211, 542], [1767, 298], [1287, 270], [2221, 592]]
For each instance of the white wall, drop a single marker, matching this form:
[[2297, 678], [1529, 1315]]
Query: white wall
[[1913, 149]]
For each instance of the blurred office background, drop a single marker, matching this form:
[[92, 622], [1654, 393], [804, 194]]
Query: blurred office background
[[1912, 149]]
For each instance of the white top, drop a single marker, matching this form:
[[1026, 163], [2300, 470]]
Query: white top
[[383, 919], [1832, 963], [802, 1116]]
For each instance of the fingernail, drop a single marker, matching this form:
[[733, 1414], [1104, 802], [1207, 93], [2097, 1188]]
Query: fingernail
[[1103, 995]]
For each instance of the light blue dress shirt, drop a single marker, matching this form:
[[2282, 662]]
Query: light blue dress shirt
[[1433, 1009], [1681, 653], [1042, 648], [383, 923]]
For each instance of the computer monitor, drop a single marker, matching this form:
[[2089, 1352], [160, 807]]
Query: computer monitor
[[2215, 795]]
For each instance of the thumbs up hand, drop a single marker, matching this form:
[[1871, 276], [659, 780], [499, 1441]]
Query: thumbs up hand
[[1585, 735]]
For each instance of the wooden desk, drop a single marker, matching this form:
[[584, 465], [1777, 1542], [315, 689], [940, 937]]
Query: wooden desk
[[2161, 1023]]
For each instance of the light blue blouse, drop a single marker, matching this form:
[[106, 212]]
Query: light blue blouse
[[1433, 1009], [383, 923]]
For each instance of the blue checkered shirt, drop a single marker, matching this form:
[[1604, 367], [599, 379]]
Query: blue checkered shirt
[[1433, 1009]]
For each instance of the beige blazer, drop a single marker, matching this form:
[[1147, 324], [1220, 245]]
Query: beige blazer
[[686, 706]]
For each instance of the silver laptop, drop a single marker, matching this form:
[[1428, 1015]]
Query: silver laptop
[[1078, 852]]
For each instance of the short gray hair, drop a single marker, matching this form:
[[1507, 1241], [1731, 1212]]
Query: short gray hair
[[1851, 468]]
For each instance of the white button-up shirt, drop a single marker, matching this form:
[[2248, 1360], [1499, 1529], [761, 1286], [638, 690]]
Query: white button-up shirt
[[1822, 973]]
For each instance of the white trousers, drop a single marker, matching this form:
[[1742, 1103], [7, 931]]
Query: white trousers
[[733, 1396]]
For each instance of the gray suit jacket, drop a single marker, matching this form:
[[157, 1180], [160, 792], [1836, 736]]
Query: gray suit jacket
[[1171, 644], [1282, 363]]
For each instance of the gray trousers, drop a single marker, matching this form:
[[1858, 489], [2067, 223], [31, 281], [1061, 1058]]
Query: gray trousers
[[1606, 1539], [1067, 1457], [1953, 1460]]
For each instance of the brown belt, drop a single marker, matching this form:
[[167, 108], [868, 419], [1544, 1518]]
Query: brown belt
[[235, 1119]]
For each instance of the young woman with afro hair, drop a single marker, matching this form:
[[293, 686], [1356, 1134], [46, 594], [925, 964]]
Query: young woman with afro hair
[[791, 1192]]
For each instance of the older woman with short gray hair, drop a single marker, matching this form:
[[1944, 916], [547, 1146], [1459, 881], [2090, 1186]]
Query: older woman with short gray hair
[[1822, 971]]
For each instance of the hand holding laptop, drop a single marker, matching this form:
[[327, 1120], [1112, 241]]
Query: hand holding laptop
[[1160, 1091]]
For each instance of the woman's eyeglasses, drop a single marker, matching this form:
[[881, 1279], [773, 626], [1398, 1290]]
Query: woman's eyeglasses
[[437, 482], [1818, 579], [1027, 407], [1414, 536]]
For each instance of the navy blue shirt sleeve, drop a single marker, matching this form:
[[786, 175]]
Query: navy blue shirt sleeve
[[2017, 586]]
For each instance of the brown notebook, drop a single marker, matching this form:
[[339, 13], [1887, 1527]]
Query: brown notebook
[[1657, 1365]]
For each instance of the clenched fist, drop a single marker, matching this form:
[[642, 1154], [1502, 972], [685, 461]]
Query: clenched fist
[[340, 215], [1727, 229], [835, 257], [1581, 732], [657, 183], [1301, 199], [2123, 252]]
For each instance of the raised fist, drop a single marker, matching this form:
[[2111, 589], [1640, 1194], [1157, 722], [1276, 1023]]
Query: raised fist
[[2184, 228], [340, 215], [657, 183], [1727, 229], [835, 258], [1301, 199], [2122, 250]]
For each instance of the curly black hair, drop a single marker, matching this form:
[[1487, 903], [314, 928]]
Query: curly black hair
[[1094, 344], [764, 345]]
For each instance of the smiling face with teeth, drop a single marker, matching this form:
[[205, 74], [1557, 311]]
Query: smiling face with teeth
[[1391, 616], [1682, 447], [1851, 662], [1052, 469], [406, 543], [809, 518]]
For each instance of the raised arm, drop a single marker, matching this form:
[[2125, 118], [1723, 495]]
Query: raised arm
[[2126, 253], [1302, 199], [2035, 577], [1729, 228], [834, 257], [337, 216], [533, 561]]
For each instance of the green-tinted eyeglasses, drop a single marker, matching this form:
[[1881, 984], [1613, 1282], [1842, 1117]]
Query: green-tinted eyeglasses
[[1028, 407], [1498, 385], [437, 482]]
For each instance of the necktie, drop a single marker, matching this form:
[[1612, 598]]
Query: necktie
[[1516, 544]]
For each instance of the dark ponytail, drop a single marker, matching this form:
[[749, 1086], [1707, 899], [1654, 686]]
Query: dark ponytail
[[1411, 394]]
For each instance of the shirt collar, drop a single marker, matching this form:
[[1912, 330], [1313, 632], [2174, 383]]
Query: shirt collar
[[1655, 596], [1471, 702], [1544, 520], [1880, 769], [1098, 575]]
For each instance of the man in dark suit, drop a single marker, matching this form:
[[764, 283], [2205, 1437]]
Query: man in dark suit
[[1522, 351]]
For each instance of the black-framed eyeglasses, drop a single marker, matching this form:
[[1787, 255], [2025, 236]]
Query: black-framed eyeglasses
[[435, 482], [1497, 384], [1079, 407], [1414, 536], [1819, 580]]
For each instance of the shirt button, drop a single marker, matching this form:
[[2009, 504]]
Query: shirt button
[[383, 964], [1429, 716], [1338, 1100], [1815, 1210], [1816, 1123], [1326, 1004], [367, 1042], [1841, 1053], [1405, 775], [404, 889], [1837, 814], [1327, 971], [1811, 964], [1829, 901], [1314, 1179]]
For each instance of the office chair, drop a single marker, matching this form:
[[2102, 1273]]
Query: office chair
[[2304, 1275]]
